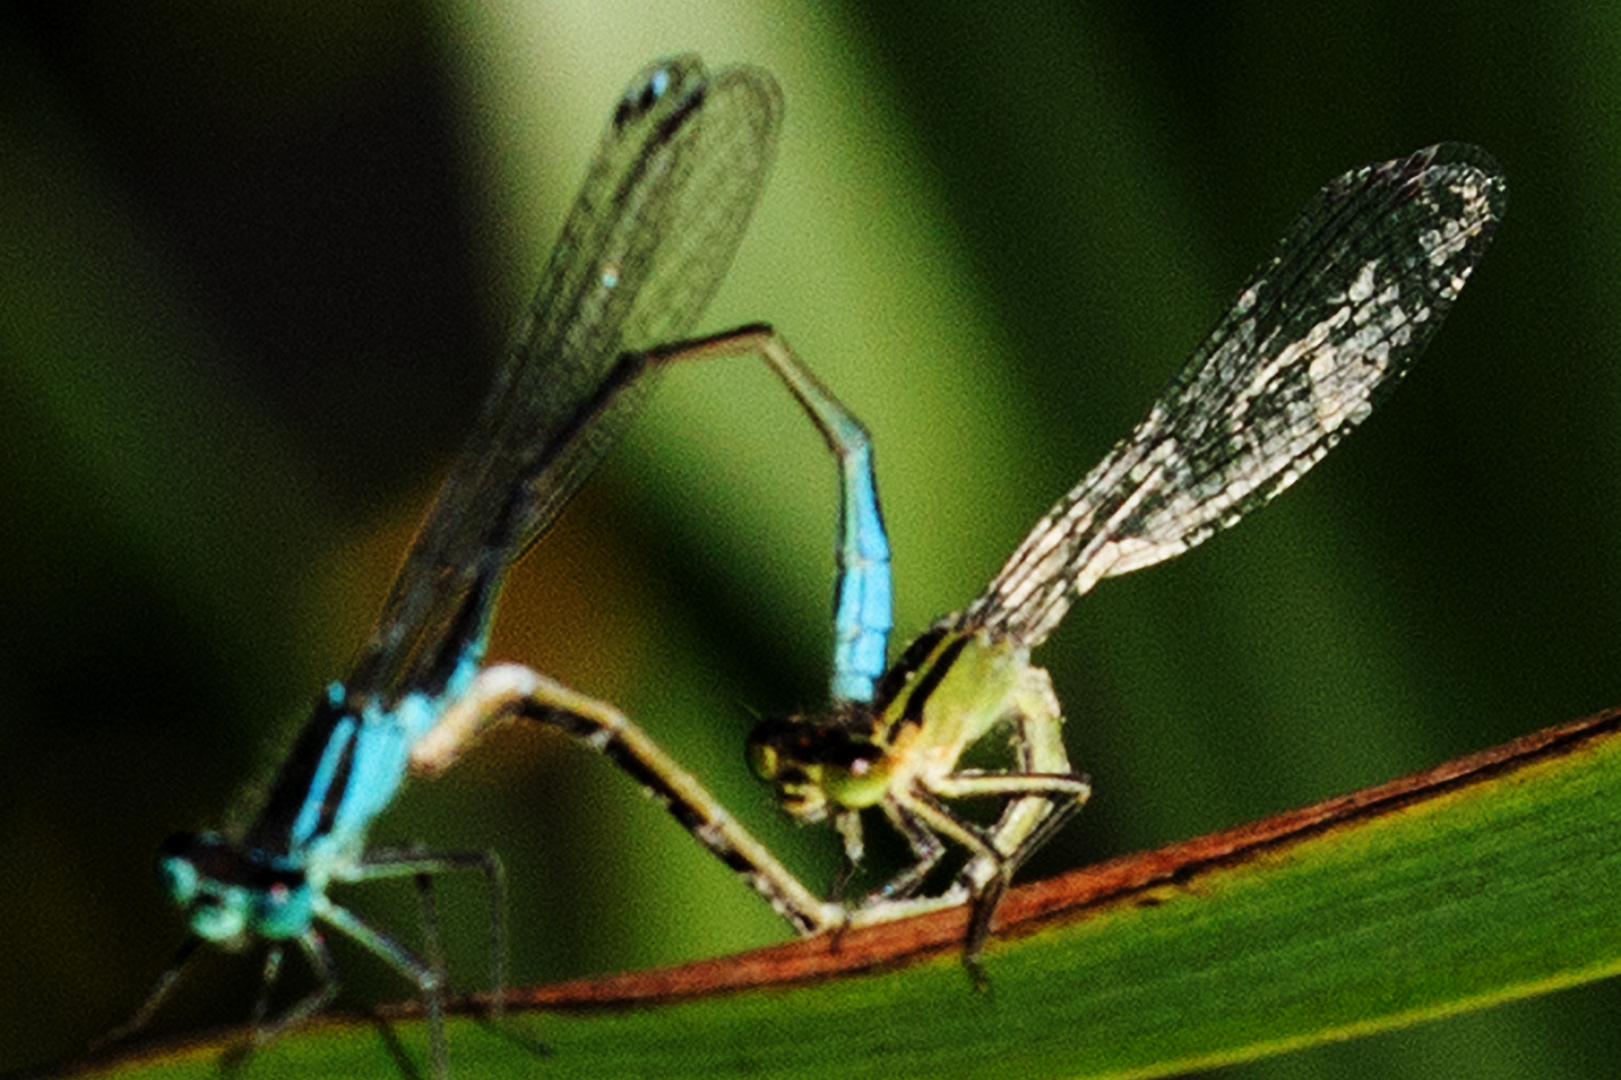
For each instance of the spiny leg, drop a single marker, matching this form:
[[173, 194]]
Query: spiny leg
[[433, 950], [986, 887], [326, 974], [927, 851], [848, 825], [894, 900], [999, 853], [1031, 819], [428, 975], [267, 982], [160, 993], [424, 866], [428, 981]]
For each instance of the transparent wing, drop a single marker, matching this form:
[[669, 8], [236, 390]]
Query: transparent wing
[[652, 233], [1351, 295]]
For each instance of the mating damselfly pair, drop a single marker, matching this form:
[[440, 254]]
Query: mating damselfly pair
[[1350, 296]]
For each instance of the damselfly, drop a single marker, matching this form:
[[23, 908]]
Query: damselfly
[[663, 209], [1321, 333]]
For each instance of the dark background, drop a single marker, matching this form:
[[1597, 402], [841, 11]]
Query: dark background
[[254, 266]]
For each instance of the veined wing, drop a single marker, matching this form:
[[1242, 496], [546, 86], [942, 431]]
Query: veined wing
[[1349, 298], [651, 235]]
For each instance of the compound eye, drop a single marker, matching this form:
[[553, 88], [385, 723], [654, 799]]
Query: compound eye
[[180, 874], [178, 879], [763, 761]]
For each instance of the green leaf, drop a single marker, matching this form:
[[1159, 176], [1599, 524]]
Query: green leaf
[[1489, 878]]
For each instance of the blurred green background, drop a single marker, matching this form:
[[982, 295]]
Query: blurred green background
[[255, 263]]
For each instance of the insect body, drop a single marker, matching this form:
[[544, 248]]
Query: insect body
[[1348, 299], [646, 245]]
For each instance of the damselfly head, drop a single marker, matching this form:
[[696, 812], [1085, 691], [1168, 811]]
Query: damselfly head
[[815, 766], [229, 895]]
